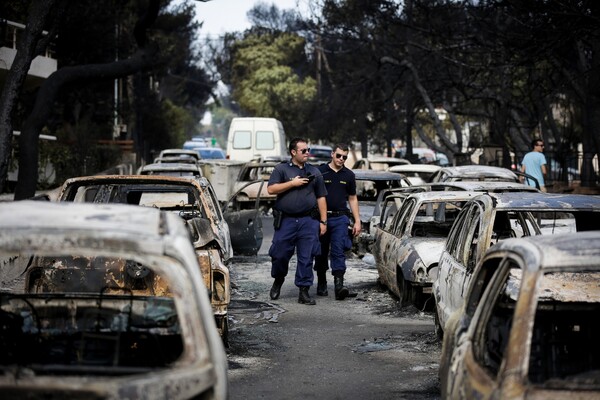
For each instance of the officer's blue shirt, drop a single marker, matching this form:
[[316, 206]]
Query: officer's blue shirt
[[299, 199], [340, 185]]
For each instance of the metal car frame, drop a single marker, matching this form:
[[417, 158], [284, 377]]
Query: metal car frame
[[95, 328], [483, 223], [479, 173], [171, 169], [370, 184], [408, 248], [384, 211], [249, 186], [528, 327], [385, 162], [198, 206], [179, 153]]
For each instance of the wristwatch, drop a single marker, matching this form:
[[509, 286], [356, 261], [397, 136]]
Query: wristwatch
[[323, 222]]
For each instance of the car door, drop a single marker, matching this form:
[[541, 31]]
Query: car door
[[246, 226], [212, 203], [481, 349], [387, 245], [397, 250], [454, 271]]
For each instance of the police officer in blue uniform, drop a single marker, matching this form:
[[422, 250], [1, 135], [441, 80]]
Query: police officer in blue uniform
[[341, 189], [300, 217]]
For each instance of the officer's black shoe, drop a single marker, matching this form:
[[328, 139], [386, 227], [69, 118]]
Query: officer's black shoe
[[341, 292], [322, 286], [276, 288], [304, 297]]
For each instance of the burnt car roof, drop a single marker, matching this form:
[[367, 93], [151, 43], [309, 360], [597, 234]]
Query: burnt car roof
[[159, 179], [179, 152], [472, 171], [375, 175], [442, 195], [171, 167], [482, 186], [547, 201], [386, 159], [87, 217], [577, 250], [414, 168]]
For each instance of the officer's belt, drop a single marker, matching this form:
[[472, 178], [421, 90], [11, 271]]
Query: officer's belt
[[302, 214], [337, 213]]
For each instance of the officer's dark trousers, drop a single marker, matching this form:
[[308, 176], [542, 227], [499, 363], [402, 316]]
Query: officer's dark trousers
[[333, 246], [300, 234]]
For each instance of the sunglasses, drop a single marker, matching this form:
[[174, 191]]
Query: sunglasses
[[343, 157], [304, 151]]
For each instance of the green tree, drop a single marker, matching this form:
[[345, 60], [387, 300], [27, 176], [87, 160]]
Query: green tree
[[265, 83]]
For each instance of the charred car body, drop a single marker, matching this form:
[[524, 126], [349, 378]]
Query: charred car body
[[172, 169], [389, 201], [417, 174], [191, 199], [251, 186], [407, 249], [472, 173], [529, 325], [493, 217], [378, 163], [385, 209], [103, 302], [370, 186]]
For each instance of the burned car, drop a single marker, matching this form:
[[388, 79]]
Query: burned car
[[251, 186], [528, 328], [471, 173], [378, 163], [182, 153], [172, 169], [385, 210], [417, 174], [103, 301], [191, 199], [474, 173], [493, 217], [407, 250], [390, 201], [370, 184]]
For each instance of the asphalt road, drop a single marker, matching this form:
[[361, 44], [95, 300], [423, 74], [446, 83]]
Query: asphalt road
[[360, 348]]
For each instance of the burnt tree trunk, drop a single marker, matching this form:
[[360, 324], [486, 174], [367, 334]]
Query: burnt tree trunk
[[28, 141], [27, 49]]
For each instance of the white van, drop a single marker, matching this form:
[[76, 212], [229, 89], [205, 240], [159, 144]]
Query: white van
[[256, 138]]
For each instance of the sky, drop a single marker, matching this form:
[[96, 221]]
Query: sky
[[220, 16]]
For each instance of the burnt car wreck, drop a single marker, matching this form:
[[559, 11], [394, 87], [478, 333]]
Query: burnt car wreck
[[103, 301], [528, 327], [193, 200]]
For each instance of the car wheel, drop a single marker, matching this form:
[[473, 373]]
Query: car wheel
[[439, 332], [405, 289], [223, 326], [416, 297]]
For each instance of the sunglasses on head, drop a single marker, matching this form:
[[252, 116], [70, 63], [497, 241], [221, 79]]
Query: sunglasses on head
[[304, 151], [343, 157]]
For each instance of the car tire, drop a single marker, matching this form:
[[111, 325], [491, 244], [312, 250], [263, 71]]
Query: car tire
[[439, 331], [223, 326], [405, 289], [417, 297]]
